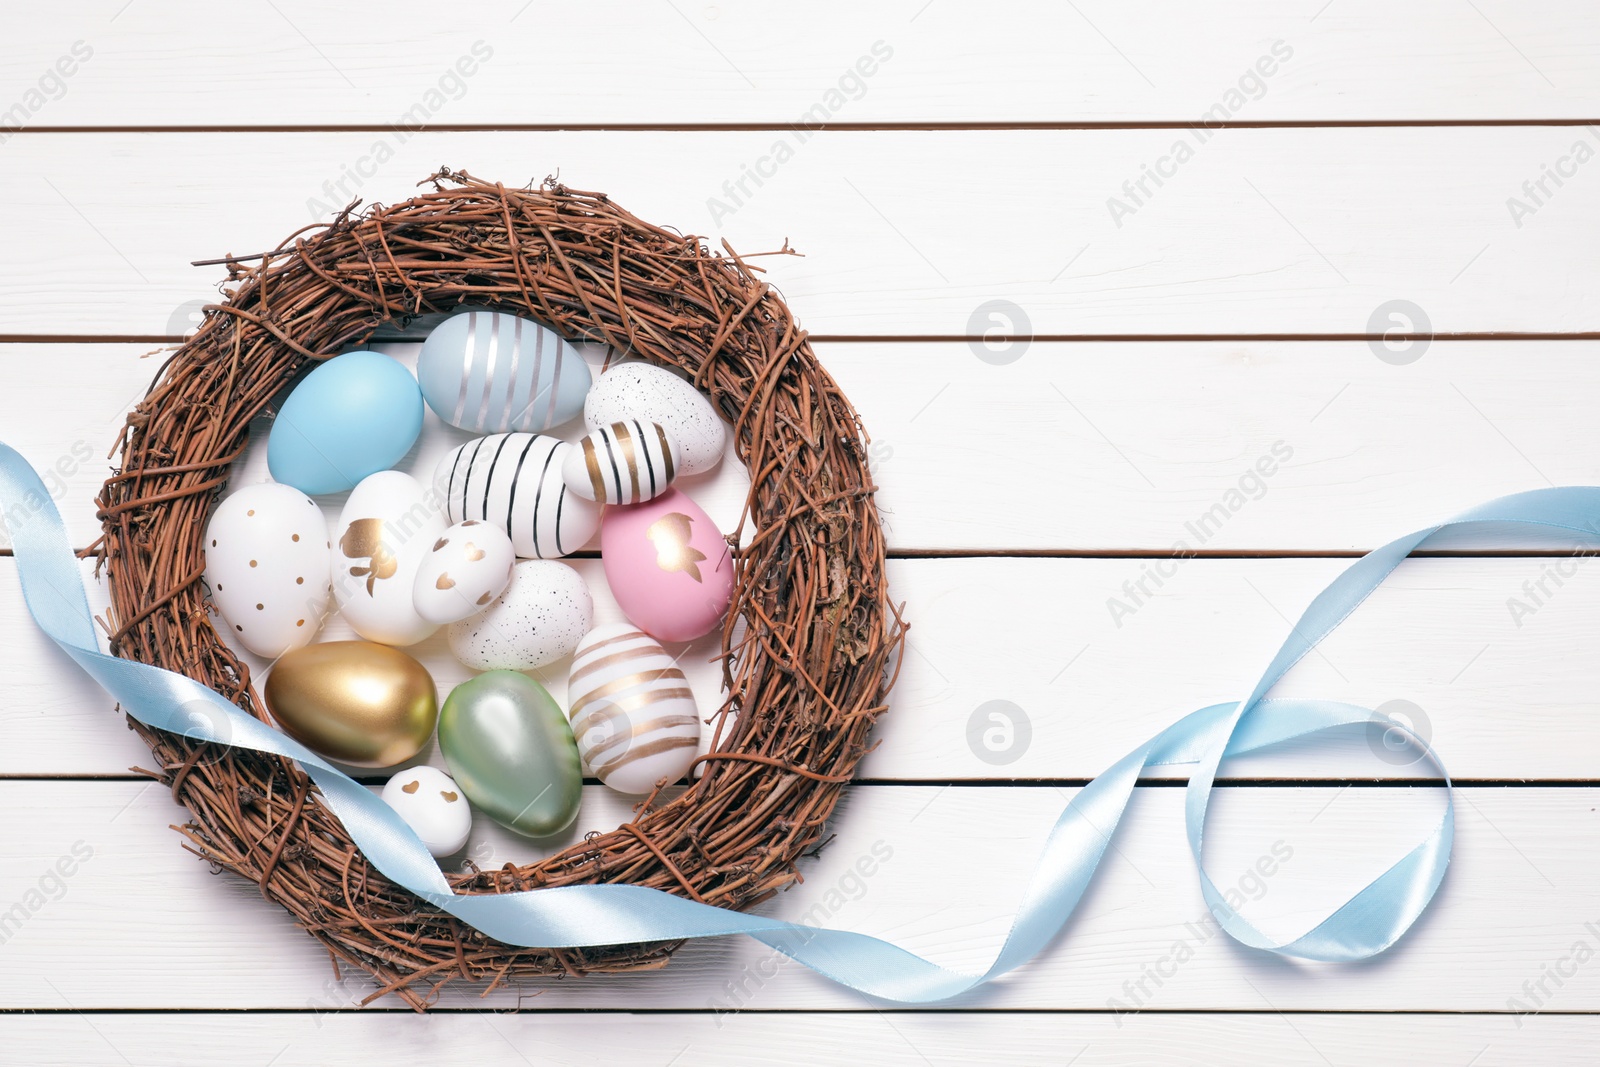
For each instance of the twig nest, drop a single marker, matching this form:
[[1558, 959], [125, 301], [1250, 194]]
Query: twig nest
[[801, 693]]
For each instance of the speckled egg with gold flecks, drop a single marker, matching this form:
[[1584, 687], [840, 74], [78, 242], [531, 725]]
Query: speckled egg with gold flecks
[[542, 615], [633, 714]]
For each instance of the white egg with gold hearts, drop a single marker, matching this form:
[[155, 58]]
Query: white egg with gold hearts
[[633, 714], [468, 566], [433, 805], [627, 462]]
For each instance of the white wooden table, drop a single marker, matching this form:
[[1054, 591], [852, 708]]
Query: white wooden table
[[1197, 299]]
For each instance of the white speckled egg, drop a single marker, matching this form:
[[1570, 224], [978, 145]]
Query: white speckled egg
[[541, 617], [386, 529], [633, 714], [649, 393], [514, 481], [433, 805], [467, 567], [627, 462], [267, 565]]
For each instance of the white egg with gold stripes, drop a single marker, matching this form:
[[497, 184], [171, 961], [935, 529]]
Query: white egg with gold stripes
[[632, 711], [488, 371], [514, 481], [627, 462]]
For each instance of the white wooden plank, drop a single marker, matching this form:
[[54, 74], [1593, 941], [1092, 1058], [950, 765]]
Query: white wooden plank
[[1101, 447], [1024, 61], [1096, 1040], [142, 924], [904, 233], [1498, 700]]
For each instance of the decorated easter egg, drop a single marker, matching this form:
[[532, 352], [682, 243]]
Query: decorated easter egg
[[385, 531], [467, 567], [489, 371], [627, 462], [431, 804], [650, 393], [357, 702], [668, 567], [355, 415], [514, 481], [542, 615], [632, 712], [267, 567], [509, 746]]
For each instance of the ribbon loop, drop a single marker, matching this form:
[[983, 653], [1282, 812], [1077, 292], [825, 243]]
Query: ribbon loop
[[593, 915]]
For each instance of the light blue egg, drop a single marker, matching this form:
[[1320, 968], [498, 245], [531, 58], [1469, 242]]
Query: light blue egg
[[355, 415], [490, 372]]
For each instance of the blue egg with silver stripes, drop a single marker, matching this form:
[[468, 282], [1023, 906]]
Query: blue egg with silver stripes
[[490, 372], [355, 415]]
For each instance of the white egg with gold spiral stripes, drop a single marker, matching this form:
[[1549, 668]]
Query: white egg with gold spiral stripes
[[632, 711], [627, 462]]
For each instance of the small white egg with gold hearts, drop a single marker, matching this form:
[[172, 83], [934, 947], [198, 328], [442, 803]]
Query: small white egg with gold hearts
[[632, 712], [433, 805], [467, 567], [627, 462]]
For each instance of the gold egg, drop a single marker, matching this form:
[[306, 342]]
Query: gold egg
[[357, 702]]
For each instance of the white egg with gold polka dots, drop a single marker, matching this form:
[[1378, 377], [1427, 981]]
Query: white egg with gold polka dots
[[467, 567], [267, 558], [433, 805]]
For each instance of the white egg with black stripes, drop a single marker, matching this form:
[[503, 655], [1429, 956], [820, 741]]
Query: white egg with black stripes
[[513, 480], [627, 462]]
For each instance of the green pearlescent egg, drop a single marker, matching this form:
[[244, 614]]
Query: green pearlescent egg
[[510, 749]]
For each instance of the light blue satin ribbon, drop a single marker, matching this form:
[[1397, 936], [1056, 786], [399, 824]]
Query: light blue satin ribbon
[[592, 915]]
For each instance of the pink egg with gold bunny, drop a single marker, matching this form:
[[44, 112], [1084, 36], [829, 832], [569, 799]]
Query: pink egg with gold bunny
[[667, 565]]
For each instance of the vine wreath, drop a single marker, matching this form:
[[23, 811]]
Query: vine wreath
[[805, 676]]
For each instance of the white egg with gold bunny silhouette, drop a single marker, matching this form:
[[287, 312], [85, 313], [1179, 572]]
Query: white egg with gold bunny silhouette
[[468, 566], [384, 532], [433, 805]]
